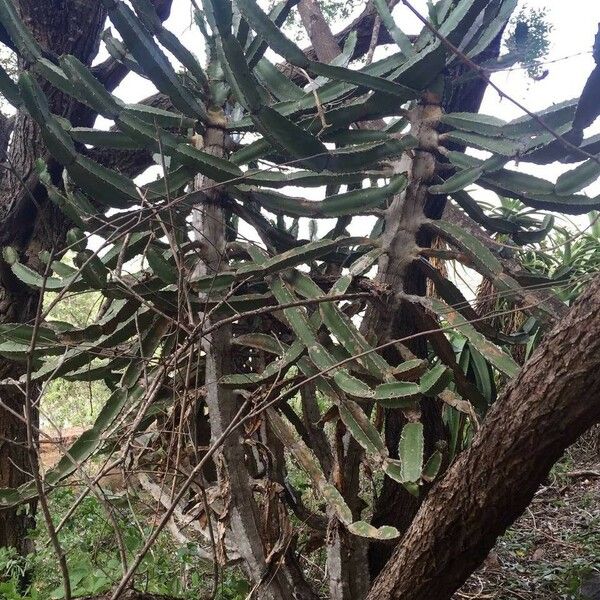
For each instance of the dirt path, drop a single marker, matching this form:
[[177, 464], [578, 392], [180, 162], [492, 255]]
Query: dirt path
[[50, 449]]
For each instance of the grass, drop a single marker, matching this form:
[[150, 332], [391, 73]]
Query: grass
[[94, 565]]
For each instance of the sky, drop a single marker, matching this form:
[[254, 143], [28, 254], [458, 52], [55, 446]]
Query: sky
[[569, 63], [575, 23]]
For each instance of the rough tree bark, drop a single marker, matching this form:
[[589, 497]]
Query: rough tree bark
[[554, 399], [28, 220], [395, 506], [31, 224], [271, 580]]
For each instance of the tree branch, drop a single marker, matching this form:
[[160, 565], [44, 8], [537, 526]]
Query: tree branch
[[362, 25], [323, 41]]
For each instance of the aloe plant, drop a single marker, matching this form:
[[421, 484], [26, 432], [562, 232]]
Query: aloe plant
[[202, 326]]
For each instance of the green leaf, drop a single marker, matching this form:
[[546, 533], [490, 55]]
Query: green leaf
[[274, 179], [55, 137], [103, 184], [9, 89], [531, 190], [146, 347], [19, 34], [88, 89], [269, 31], [483, 259], [397, 34], [170, 41], [361, 428], [358, 267], [35, 280], [492, 353], [10, 255], [296, 256], [308, 463], [161, 266], [93, 270], [399, 394], [349, 203], [497, 145], [276, 82], [474, 122], [579, 177], [344, 330], [261, 341], [432, 467], [155, 64], [411, 450], [366, 530], [213, 167], [258, 46], [105, 139], [435, 380], [493, 25], [457, 182]]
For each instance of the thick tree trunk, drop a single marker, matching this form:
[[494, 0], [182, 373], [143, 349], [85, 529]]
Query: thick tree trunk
[[555, 398], [28, 220], [31, 226]]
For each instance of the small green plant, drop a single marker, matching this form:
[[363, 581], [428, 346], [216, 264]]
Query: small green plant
[[13, 570], [93, 560]]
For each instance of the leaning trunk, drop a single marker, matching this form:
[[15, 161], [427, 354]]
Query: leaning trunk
[[555, 398]]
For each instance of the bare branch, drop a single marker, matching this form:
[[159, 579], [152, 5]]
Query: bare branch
[[362, 25], [323, 41]]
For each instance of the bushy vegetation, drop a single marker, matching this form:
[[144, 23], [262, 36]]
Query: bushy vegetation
[[88, 539]]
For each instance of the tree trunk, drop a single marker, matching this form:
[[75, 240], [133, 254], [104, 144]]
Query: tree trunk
[[14, 457], [31, 223], [271, 581], [554, 399], [28, 220], [395, 506]]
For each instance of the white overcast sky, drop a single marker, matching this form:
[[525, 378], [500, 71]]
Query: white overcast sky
[[569, 63], [575, 23]]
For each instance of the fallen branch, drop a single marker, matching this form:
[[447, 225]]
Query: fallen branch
[[583, 473]]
